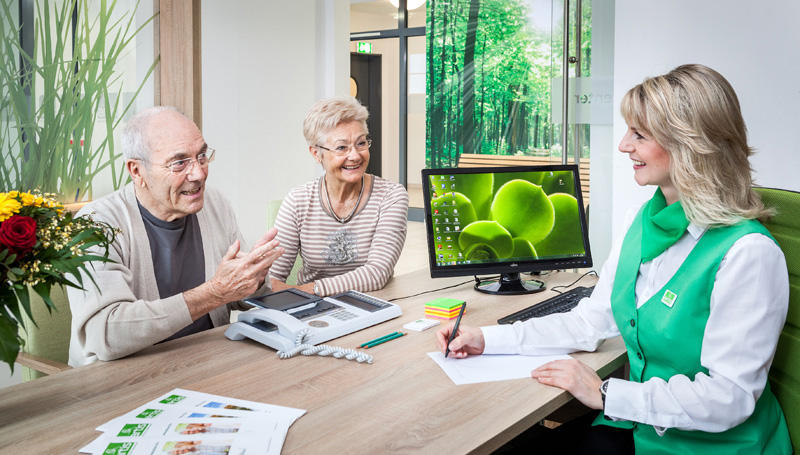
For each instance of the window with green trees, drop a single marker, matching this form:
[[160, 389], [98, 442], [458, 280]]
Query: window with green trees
[[490, 65]]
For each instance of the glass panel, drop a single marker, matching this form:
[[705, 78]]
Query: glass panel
[[491, 73], [9, 146], [416, 16], [582, 90], [372, 15], [384, 62], [77, 162], [416, 118]]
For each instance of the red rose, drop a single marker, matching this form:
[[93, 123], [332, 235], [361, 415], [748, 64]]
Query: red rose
[[18, 234]]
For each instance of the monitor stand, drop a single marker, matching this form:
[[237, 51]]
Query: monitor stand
[[510, 284]]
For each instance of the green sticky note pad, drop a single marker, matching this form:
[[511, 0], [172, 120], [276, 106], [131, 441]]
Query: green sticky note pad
[[445, 303]]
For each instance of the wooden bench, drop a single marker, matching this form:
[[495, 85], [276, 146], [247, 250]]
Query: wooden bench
[[479, 160]]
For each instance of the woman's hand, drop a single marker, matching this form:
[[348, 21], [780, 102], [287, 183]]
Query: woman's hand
[[468, 341], [573, 376]]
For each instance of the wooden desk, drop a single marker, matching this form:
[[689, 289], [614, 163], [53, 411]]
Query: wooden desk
[[403, 403]]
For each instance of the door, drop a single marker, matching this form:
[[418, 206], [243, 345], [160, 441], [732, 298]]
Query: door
[[365, 85]]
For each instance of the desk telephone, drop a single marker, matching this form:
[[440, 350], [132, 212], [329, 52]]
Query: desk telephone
[[293, 321]]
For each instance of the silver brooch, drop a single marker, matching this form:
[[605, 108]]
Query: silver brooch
[[341, 248]]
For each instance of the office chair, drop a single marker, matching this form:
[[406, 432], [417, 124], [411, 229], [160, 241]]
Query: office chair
[[784, 375], [272, 214], [46, 349]]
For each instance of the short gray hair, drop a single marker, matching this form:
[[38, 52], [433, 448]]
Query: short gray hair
[[327, 114], [135, 140]]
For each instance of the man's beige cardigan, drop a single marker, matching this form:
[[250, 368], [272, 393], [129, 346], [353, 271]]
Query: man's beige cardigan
[[126, 315]]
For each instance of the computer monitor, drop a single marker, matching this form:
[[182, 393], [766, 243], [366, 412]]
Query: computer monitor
[[507, 221]]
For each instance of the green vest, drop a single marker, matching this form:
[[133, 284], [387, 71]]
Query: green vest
[[674, 321]]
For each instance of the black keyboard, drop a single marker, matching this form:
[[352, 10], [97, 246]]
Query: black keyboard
[[557, 304]]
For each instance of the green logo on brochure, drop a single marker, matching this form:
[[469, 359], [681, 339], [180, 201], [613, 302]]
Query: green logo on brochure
[[669, 298], [119, 448], [134, 429], [172, 399], [149, 413]]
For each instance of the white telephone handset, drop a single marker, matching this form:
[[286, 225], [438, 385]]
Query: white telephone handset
[[288, 326], [294, 322], [289, 338]]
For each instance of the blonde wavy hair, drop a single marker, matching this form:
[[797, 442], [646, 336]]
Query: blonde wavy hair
[[327, 114], [694, 114]]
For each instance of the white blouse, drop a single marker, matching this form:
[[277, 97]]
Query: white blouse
[[749, 303]]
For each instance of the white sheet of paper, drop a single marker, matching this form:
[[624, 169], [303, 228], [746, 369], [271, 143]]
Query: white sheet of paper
[[487, 368]]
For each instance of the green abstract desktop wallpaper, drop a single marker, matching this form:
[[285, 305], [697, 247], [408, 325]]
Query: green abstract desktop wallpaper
[[504, 216]]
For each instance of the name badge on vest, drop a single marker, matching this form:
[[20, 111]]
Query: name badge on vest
[[669, 298]]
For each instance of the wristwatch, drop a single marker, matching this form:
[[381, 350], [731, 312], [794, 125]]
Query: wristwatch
[[316, 289], [603, 390]]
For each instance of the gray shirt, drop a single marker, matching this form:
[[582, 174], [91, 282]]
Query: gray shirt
[[178, 262]]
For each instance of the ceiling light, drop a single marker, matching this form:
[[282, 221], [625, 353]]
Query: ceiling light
[[410, 4]]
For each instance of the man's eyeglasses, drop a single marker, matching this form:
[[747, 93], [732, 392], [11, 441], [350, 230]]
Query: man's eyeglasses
[[362, 145], [186, 165]]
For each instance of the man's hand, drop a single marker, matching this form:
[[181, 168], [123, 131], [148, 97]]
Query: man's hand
[[468, 340], [238, 276], [266, 238], [573, 376]]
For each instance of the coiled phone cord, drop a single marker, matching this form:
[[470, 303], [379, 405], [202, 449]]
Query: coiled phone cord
[[323, 350]]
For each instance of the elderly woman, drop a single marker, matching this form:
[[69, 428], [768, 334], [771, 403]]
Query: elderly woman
[[697, 288], [348, 226]]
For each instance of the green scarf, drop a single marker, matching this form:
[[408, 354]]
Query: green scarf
[[662, 225]]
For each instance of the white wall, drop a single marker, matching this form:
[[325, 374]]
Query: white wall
[[264, 65], [753, 44]]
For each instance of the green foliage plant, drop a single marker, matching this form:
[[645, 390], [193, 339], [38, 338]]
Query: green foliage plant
[[51, 103]]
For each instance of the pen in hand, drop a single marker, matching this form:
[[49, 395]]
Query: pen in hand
[[455, 329]]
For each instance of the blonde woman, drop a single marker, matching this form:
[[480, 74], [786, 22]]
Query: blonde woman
[[348, 226], [697, 288]]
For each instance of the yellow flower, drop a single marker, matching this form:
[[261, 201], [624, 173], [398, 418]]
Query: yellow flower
[[27, 198], [8, 206]]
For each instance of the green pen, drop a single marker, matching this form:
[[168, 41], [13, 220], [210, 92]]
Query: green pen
[[378, 339], [384, 340]]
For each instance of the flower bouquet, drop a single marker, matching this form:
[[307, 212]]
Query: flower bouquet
[[40, 243]]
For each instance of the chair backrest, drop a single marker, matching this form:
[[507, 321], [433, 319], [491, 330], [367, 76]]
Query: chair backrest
[[49, 338], [272, 214], [785, 373]]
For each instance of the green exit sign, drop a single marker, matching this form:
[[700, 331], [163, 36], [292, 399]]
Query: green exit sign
[[364, 48]]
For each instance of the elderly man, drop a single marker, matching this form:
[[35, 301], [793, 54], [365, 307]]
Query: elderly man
[[178, 268]]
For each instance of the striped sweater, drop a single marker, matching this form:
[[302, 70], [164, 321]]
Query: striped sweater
[[359, 254]]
